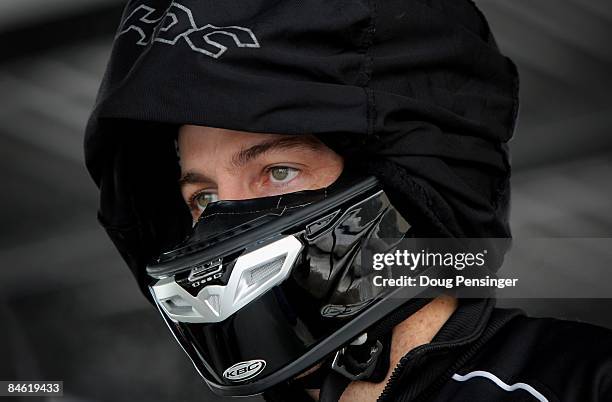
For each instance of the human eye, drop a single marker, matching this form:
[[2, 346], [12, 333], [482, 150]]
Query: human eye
[[280, 175], [200, 200]]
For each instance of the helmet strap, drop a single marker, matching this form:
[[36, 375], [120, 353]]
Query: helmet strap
[[365, 359]]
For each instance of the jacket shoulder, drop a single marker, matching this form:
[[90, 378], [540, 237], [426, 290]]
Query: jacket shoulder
[[576, 339], [568, 360]]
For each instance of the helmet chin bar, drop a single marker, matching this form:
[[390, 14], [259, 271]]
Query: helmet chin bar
[[263, 289], [254, 274]]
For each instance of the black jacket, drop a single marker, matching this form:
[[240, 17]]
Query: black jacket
[[488, 354]]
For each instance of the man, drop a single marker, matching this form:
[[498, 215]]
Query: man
[[220, 164], [222, 142]]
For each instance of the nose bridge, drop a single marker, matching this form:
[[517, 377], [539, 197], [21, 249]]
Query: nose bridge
[[230, 186]]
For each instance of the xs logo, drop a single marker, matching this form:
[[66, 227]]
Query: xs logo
[[178, 24]]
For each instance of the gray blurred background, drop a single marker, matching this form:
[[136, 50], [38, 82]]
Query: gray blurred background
[[68, 307]]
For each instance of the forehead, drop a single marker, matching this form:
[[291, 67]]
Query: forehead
[[198, 141], [191, 135]]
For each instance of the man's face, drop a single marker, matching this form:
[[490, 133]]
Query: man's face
[[220, 164]]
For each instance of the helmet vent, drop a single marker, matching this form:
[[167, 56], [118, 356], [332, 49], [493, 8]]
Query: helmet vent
[[265, 271], [177, 305], [253, 280]]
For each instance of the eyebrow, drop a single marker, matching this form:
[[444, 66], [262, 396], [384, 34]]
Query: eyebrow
[[193, 178], [243, 157]]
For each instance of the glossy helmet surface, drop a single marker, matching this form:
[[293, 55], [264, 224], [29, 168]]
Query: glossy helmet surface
[[263, 289]]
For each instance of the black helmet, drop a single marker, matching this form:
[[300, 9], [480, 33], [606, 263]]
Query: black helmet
[[413, 93]]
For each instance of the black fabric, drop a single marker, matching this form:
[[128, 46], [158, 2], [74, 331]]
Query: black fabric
[[415, 92], [141, 161], [559, 360]]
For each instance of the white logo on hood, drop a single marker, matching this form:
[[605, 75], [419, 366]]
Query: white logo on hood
[[178, 23]]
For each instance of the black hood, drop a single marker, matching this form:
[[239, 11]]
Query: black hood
[[415, 92]]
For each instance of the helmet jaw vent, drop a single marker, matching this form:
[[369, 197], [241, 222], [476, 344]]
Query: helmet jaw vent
[[177, 305], [253, 274], [254, 278]]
